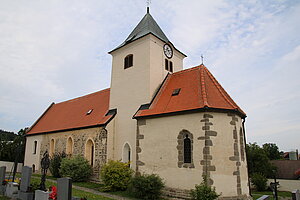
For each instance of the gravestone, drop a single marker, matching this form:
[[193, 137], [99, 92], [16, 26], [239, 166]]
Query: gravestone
[[64, 189], [2, 178], [296, 195], [41, 195], [264, 197], [24, 192], [11, 190]]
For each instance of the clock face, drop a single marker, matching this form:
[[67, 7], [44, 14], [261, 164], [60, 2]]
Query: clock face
[[168, 51]]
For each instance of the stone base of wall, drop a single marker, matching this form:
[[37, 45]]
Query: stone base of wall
[[176, 194]]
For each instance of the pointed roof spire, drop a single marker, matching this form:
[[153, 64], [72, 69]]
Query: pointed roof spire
[[145, 26]]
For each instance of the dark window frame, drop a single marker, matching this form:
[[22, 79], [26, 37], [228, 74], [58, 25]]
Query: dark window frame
[[128, 61], [34, 147]]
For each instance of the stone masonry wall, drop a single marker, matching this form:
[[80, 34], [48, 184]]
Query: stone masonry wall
[[80, 138]]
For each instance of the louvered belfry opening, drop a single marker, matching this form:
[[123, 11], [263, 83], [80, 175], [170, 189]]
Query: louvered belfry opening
[[187, 147]]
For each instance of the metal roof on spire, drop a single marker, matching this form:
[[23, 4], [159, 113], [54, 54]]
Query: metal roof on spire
[[145, 26]]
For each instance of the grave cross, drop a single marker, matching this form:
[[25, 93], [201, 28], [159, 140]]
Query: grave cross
[[45, 163]]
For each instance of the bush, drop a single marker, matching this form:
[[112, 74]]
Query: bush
[[204, 192], [116, 175], [77, 168], [55, 163], [147, 186], [259, 181]]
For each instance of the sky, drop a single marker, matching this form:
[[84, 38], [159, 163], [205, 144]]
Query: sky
[[52, 51]]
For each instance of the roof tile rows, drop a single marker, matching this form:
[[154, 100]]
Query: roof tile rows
[[85, 111], [189, 89], [199, 89]]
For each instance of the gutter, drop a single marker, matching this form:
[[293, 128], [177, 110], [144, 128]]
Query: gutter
[[243, 125]]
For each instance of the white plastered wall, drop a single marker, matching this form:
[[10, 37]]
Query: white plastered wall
[[136, 85], [30, 157], [160, 155]]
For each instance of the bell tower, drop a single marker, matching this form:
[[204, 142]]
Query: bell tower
[[139, 66]]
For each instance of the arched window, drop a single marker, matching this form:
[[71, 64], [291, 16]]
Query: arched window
[[52, 146], [168, 65], [126, 153], [185, 149], [34, 147], [69, 146], [128, 61], [89, 151]]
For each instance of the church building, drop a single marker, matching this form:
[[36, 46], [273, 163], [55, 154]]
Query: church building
[[163, 119]]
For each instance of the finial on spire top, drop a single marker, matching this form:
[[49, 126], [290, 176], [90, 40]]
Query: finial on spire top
[[148, 5], [202, 59]]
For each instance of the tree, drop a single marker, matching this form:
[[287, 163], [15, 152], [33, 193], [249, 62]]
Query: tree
[[12, 145], [258, 161], [272, 151]]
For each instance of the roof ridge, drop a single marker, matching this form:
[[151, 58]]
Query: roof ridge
[[91, 94], [203, 89], [219, 87]]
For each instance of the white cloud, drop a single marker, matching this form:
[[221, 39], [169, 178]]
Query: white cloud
[[57, 50]]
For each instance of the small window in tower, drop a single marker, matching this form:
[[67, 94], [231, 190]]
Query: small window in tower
[[176, 92], [128, 61], [89, 112], [171, 66], [166, 64]]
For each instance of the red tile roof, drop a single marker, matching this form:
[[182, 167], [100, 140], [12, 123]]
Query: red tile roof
[[72, 114], [199, 89]]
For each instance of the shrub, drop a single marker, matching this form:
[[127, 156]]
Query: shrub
[[77, 168], [55, 164], [259, 181], [147, 186], [116, 175], [204, 192]]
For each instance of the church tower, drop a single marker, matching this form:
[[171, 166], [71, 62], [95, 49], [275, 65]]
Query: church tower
[[139, 66]]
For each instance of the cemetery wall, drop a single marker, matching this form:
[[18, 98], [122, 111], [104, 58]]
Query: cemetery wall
[[9, 166]]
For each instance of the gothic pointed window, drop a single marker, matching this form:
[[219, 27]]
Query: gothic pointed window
[[128, 61], [187, 156], [185, 149]]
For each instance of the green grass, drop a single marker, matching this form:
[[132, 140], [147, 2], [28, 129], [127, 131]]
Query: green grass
[[89, 196], [256, 194], [4, 198], [89, 185]]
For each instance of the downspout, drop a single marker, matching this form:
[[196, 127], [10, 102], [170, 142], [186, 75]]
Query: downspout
[[243, 125]]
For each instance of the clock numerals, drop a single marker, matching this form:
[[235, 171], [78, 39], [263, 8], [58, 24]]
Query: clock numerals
[[168, 51]]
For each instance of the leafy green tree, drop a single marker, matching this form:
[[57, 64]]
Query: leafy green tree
[[272, 151], [258, 161]]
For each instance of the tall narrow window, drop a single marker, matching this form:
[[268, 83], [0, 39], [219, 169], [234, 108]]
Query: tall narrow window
[[126, 154], [171, 66], [34, 147], [69, 146], [166, 64], [128, 61], [51, 152], [185, 149], [89, 151], [187, 156]]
